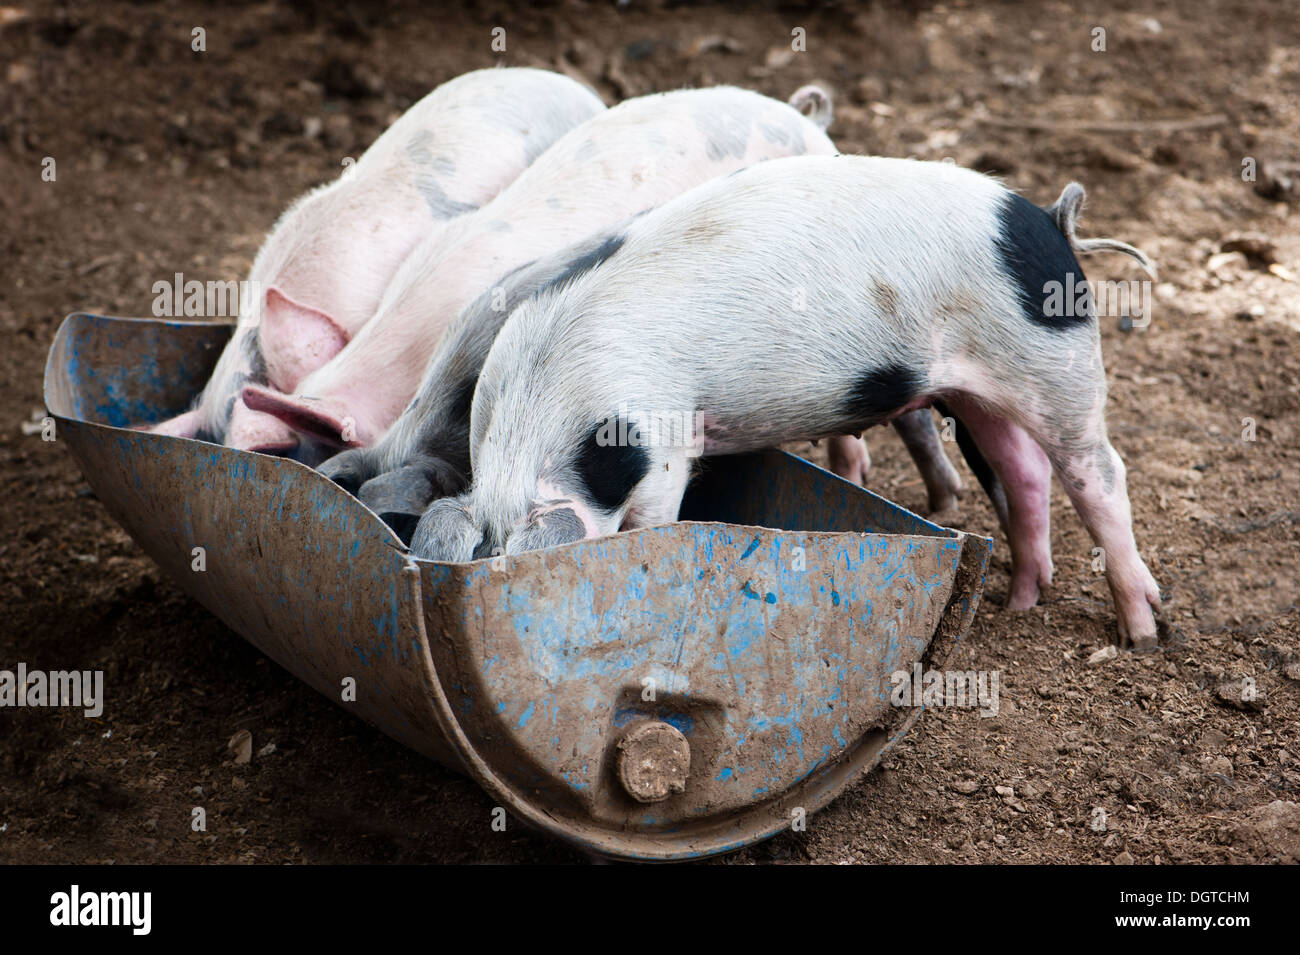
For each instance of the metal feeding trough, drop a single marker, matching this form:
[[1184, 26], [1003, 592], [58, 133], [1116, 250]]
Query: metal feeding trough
[[661, 694]]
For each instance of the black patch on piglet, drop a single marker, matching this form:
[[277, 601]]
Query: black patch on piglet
[[881, 391], [584, 263], [462, 401], [610, 470], [1034, 253], [257, 373]]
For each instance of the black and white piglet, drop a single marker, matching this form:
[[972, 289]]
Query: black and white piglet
[[426, 454], [917, 281]]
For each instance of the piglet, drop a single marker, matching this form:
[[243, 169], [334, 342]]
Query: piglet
[[425, 455], [319, 276], [632, 157], [920, 281]]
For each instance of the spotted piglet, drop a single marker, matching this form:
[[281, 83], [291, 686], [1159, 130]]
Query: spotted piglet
[[318, 278], [920, 281], [632, 157]]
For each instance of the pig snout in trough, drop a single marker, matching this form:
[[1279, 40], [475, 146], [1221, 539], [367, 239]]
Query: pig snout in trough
[[425, 455], [626, 160], [920, 281], [319, 276]]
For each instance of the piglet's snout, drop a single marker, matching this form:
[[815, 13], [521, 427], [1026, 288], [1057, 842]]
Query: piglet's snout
[[399, 497], [350, 469], [547, 528], [446, 531]]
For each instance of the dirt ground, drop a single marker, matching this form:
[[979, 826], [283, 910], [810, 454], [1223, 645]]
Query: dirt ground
[[170, 160]]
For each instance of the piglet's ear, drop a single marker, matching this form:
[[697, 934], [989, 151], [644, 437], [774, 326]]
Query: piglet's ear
[[182, 426], [319, 420], [257, 431], [296, 339]]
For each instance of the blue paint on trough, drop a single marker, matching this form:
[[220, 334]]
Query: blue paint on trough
[[525, 716], [528, 676]]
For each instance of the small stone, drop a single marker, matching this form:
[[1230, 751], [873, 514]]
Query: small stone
[[1221, 765], [1104, 655], [1226, 264], [1271, 833], [966, 786], [240, 747], [1125, 858], [1241, 695], [1258, 248], [710, 43], [777, 57]]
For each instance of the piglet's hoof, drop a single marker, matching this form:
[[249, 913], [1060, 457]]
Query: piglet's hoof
[[1146, 643]]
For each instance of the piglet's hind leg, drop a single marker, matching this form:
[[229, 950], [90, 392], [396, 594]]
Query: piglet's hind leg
[[1026, 478], [942, 483]]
